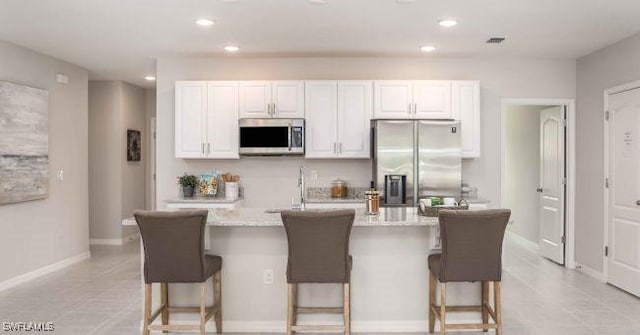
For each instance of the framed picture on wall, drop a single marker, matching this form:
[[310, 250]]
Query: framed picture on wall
[[133, 145]]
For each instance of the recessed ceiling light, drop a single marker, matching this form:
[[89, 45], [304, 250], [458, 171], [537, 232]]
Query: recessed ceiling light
[[231, 48], [205, 22], [150, 78], [447, 23], [428, 48]]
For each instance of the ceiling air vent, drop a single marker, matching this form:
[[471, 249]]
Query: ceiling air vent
[[495, 40]]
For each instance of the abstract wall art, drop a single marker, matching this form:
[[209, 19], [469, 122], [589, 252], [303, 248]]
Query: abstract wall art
[[24, 143], [133, 145]]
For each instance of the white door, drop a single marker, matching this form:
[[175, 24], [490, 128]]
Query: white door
[[552, 188], [152, 164], [623, 261], [354, 118], [465, 106], [432, 99], [255, 99], [222, 120], [190, 113], [287, 99], [320, 122], [393, 99]]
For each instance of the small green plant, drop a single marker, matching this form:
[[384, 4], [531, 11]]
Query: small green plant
[[187, 180]]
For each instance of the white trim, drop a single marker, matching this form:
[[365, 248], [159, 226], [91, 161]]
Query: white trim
[[605, 124], [591, 272], [105, 241], [570, 259], [23, 278], [533, 246], [115, 241]]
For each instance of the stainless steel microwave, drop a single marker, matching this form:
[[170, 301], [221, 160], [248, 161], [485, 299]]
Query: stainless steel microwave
[[271, 137]]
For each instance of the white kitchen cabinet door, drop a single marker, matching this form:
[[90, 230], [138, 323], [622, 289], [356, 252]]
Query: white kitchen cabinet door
[[354, 118], [255, 99], [432, 99], [190, 116], [465, 105], [393, 99], [321, 103], [287, 99], [222, 120]]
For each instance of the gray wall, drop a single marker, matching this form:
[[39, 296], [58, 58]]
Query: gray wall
[[523, 169], [39, 233], [150, 111], [271, 182], [608, 67], [117, 187]]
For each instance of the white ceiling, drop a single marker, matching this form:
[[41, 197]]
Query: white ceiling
[[120, 39]]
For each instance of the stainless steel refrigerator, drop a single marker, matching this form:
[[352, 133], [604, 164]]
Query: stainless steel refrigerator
[[427, 153]]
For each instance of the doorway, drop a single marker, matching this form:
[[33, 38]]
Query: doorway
[[538, 153], [622, 187]]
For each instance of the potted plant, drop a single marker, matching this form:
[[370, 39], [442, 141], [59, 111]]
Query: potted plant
[[188, 183]]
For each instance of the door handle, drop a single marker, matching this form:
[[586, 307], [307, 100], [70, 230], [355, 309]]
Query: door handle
[[539, 190]]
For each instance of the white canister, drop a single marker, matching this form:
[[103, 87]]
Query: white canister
[[231, 190]]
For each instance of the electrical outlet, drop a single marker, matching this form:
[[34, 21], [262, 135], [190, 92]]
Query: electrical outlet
[[267, 276]]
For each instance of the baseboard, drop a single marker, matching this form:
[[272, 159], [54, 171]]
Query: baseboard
[[114, 241], [105, 241], [23, 278], [590, 272], [523, 241]]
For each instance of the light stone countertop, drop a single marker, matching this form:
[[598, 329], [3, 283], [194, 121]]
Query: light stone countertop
[[334, 200], [258, 217], [219, 200]]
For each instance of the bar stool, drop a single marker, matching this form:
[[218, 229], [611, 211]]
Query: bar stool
[[318, 253], [174, 253], [471, 251]]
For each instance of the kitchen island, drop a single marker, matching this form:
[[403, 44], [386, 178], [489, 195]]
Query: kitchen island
[[389, 277]]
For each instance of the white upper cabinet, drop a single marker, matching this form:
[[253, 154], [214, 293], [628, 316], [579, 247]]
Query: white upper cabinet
[[206, 119], [394, 99], [432, 99], [190, 114], [321, 122], [466, 108], [420, 99], [355, 110], [338, 116], [222, 120], [271, 99]]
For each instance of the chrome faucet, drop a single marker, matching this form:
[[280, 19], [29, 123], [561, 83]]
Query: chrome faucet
[[301, 186]]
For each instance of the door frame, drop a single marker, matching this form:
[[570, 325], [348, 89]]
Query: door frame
[[605, 240], [570, 163], [152, 162]]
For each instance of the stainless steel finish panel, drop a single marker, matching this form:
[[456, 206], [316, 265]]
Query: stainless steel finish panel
[[394, 152], [439, 158], [270, 123]]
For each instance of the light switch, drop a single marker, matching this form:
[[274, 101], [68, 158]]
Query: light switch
[[60, 175]]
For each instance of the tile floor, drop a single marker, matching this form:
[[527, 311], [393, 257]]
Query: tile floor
[[102, 296]]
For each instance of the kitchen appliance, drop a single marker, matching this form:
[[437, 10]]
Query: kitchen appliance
[[427, 153], [269, 137], [395, 187], [338, 189]]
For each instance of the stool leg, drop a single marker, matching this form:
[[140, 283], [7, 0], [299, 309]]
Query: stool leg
[[347, 308], [217, 291], [164, 296], [497, 304], [485, 304], [147, 309], [203, 310], [432, 301], [443, 302], [290, 311], [294, 316]]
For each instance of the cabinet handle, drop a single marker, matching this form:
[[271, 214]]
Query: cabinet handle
[[208, 147], [409, 109], [203, 148], [334, 147], [415, 108], [273, 110], [269, 109], [340, 148]]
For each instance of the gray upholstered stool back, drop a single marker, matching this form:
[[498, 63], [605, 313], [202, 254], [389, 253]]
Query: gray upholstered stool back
[[318, 245], [173, 245], [472, 244]]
